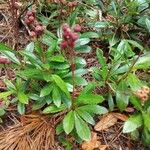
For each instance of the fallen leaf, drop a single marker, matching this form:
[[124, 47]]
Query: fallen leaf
[[120, 116], [92, 144], [102, 147], [106, 122]]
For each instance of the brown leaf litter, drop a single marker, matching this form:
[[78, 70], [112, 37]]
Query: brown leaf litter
[[94, 143], [109, 120], [33, 132]]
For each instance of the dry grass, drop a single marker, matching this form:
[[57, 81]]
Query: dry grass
[[33, 132]]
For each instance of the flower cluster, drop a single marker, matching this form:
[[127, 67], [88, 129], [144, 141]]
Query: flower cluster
[[143, 93], [73, 4], [37, 29], [70, 35], [4, 60]]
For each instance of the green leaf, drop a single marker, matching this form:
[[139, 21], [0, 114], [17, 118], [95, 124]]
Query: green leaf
[[143, 62], [134, 82], [23, 98], [46, 90], [59, 128], [136, 102], [122, 100], [89, 88], [30, 47], [80, 62], [146, 137], [147, 21], [78, 72], [82, 41], [56, 96], [101, 24], [81, 128], [90, 35], [83, 48], [68, 122], [135, 44], [134, 122], [93, 109], [53, 109], [21, 108], [34, 60], [71, 19], [2, 112], [146, 118], [102, 61], [110, 102], [57, 58], [85, 116], [39, 104], [61, 84], [89, 99], [4, 47], [5, 94], [9, 85], [11, 56]]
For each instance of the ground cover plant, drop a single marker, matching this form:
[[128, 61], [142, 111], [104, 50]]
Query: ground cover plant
[[83, 70]]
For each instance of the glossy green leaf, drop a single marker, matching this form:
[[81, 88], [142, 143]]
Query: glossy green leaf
[[147, 21], [68, 122], [21, 108], [5, 94], [134, 122], [90, 35], [93, 109], [89, 99], [53, 109], [61, 84], [83, 49], [82, 128], [23, 98], [146, 118], [56, 96], [46, 90], [57, 58], [85, 116], [2, 112]]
